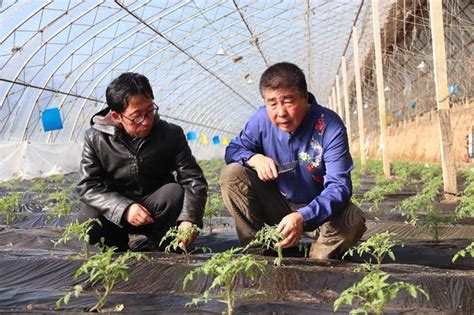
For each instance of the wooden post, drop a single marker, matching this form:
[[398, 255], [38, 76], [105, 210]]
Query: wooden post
[[334, 100], [338, 99], [346, 99], [330, 101], [442, 97], [360, 110], [380, 86]]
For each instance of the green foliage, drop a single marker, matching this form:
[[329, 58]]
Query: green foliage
[[215, 204], [466, 206], [40, 186], [373, 292], [62, 203], [267, 237], [81, 231], [103, 271], [177, 235], [12, 182], [9, 204], [57, 179], [402, 172], [462, 253], [212, 170], [425, 201], [225, 267], [378, 246], [373, 167]]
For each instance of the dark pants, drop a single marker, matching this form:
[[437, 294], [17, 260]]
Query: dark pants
[[252, 202], [165, 205]]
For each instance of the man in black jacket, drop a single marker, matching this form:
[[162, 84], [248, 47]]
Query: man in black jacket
[[126, 172]]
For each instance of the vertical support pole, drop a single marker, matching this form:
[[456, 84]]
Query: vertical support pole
[[338, 99], [346, 99], [441, 81], [330, 102], [360, 110], [380, 87], [334, 100], [310, 47]]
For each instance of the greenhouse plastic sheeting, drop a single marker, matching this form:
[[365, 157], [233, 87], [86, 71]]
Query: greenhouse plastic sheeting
[[60, 158], [49, 159]]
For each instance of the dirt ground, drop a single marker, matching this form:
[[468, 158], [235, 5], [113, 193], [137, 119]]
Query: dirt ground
[[418, 140]]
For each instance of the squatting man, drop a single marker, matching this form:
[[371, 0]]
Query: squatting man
[[290, 165], [126, 171]]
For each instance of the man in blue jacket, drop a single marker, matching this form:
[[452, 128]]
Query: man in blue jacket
[[291, 166]]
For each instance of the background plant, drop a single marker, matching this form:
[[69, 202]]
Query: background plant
[[103, 271], [81, 231], [177, 235], [40, 186], [9, 204], [214, 205], [62, 204], [225, 267], [466, 206]]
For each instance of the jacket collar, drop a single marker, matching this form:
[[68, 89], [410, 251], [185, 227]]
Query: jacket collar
[[104, 122]]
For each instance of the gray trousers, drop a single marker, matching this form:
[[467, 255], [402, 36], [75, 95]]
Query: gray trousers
[[252, 203]]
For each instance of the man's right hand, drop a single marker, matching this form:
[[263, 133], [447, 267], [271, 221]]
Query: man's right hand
[[265, 167], [137, 215]]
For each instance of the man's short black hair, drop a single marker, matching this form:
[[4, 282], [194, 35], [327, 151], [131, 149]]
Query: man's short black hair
[[283, 75], [123, 87]]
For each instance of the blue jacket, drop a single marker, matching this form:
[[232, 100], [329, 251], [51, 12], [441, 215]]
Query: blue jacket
[[322, 178]]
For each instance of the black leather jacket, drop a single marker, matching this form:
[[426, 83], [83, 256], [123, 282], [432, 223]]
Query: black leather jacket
[[112, 176]]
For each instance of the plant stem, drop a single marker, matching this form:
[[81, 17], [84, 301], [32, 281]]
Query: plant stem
[[86, 250], [230, 301]]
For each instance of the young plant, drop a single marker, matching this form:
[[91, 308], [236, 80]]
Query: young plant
[[62, 203], [466, 206], [468, 250], [177, 235], [213, 207], [81, 230], [267, 237], [9, 204], [40, 186], [378, 246], [103, 271], [423, 201], [373, 292], [225, 267]]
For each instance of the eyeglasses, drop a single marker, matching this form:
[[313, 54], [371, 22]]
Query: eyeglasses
[[139, 119]]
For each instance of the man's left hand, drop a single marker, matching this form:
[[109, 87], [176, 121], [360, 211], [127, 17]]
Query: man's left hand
[[185, 243], [291, 226]]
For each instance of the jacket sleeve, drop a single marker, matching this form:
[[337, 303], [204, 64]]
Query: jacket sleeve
[[244, 146], [337, 181], [191, 178], [92, 189]]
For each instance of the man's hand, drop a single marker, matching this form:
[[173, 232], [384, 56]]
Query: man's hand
[[291, 226], [185, 243], [137, 215], [265, 167]]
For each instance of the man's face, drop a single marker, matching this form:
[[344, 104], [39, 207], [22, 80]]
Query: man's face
[[286, 107], [139, 107]]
